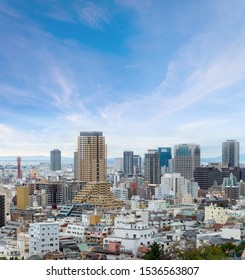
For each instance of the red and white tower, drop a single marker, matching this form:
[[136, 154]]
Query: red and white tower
[[19, 175]]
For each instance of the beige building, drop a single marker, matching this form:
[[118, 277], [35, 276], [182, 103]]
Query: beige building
[[216, 213], [99, 195], [22, 193], [92, 157]]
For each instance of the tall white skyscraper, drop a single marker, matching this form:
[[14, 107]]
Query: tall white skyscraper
[[230, 153]]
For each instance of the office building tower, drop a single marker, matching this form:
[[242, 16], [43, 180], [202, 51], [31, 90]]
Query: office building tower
[[230, 153], [43, 238], [19, 173], [165, 155], [137, 164], [2, 210], [186, 158], [55, 160], [152, 167], [128, 163], [92, 157], [75, 163]]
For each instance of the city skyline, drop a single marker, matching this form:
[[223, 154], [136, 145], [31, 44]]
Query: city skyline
[[148, 74]]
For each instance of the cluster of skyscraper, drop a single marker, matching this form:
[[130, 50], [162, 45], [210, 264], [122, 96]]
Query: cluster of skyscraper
[[159, 161], [90, 160]]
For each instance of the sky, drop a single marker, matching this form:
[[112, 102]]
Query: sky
[[147, 74]]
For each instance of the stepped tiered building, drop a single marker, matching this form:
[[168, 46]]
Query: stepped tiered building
[[99, 195], [92, 169]]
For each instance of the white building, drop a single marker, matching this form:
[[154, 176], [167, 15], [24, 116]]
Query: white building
[[43, 238], [170, 185], [192, 188], [157, 205], [131, 234], [120, 191], [236, 232], [9, 251], [135, 202], [23, 243], [76, 231]]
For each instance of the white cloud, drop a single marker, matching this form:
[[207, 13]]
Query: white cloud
[[92, 14]]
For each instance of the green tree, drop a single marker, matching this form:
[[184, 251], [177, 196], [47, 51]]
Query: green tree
[[155, 252], [228, 249], [240, 248], [204, 253], [213, 253], [192, 254]]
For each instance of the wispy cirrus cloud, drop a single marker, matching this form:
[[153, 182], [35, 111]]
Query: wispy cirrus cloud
[[92, 14], [159, 87]]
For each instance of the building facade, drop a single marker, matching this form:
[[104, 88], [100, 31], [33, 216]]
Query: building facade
[[55, 160], [137, 165], [22, 193], [75, 163], [230, 153], [43, 238], [186, 158], [152, 167], [2, 210], [128, 163], [92, 157], [165, 154]]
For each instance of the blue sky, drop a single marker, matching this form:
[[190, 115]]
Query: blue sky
[[146, 73]]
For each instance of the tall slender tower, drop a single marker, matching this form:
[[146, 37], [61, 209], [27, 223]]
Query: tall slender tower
[[230, 153], [152, 167], [55, 160], [75, 163], [19, 175], [128, 163], [186, 158], [92, 157]]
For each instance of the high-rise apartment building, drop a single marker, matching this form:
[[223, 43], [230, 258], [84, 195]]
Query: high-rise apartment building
[[152, 167], [128, 163], [55, 160], [186, 158], [92, 157], [230, 153]]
